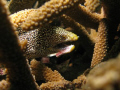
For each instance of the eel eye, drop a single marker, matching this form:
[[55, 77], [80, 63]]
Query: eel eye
[[63, 37]]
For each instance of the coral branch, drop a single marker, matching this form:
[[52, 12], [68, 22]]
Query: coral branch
[[80, 81], [17, 5], [19, 74], [4, 85], [42, 72], [92, 5], [87, 43], [112, 12], [60, 85], [46, 12], [104, 76], [53, 78], [75, 15], [115, 50], [20, 17], [101, 47], [84, 17]]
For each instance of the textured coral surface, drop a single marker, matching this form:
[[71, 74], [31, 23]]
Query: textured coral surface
[[59, 45]]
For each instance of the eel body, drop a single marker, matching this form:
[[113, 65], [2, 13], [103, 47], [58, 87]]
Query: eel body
[[47, 41]]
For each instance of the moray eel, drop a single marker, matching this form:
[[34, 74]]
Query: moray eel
[[47, 41]]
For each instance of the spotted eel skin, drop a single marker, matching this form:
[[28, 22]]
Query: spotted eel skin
[[42, 41]]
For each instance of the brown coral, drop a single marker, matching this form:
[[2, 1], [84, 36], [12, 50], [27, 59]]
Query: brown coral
[[45, 12], [53, 78], [78, 17], [105, 76], [92, 5], [17, 5], [12, 56], [100, 49]]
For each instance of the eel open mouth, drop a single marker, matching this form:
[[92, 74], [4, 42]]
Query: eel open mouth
[[66, 46], [66, 49], [63, 48]]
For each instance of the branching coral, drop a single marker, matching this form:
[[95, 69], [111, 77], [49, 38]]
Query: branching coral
[[100, 49], [53, 78], [92, 5], [45, 12], [45, 27], [12, 56], [17, 5]]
